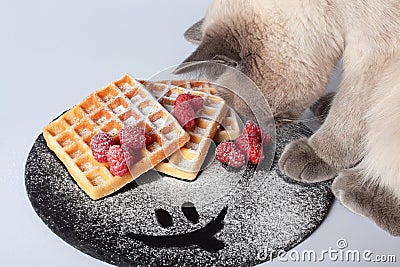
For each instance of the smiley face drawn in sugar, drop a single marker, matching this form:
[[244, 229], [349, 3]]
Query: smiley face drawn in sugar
[[203, 237]]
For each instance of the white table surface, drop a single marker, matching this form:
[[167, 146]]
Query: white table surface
[[53, 54]]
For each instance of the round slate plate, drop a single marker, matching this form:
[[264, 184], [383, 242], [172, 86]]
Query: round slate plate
[[253, 221]]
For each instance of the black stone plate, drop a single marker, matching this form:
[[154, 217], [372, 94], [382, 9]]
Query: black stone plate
[[258, 217]]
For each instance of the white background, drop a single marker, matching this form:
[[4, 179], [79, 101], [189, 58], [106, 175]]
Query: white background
[[53, 54]]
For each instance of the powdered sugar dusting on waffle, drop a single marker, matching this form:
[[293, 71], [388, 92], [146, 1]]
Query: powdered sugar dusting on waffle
[[230, 129], [187, 162]]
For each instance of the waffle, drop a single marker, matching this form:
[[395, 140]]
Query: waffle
[[187, 162], [230, 128], [123, 102]]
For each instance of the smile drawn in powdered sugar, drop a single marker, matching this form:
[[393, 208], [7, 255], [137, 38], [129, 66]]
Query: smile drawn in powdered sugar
[[203, 237]]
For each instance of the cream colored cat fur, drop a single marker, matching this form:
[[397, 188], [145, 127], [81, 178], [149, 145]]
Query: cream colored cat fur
[[289, 48]]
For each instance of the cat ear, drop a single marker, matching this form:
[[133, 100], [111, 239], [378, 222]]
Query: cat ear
[[195, 33]]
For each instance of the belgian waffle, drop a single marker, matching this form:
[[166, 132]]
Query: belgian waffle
[[123, 102], [230, 128], [186, 162]]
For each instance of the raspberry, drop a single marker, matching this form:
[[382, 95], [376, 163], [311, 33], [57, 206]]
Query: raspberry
[[250, 143], [229, 153], [252, 149], [182, 98], [99, 145], [184, 113], [116, 158], [132, 138], [243, 143], [195, 101], [256, 133], [253, 131], [256, 153]]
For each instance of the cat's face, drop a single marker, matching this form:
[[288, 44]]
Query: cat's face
[[259, 38]]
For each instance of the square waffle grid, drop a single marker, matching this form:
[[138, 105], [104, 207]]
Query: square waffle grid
[[230, 129], [124, 102], [186, 162]]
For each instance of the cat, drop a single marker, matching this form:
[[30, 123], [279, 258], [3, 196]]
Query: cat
[[289, 49]]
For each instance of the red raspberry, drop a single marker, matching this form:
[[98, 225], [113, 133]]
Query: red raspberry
[[195, 101], [253, 131], [251, 147], [229, 153], [182, 98], [243, 143], [116, 158], [99, 145], [256, 153], [256, 133], [184, 113], [132, 138]]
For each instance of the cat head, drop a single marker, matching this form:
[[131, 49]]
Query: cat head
[[284, 48]]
